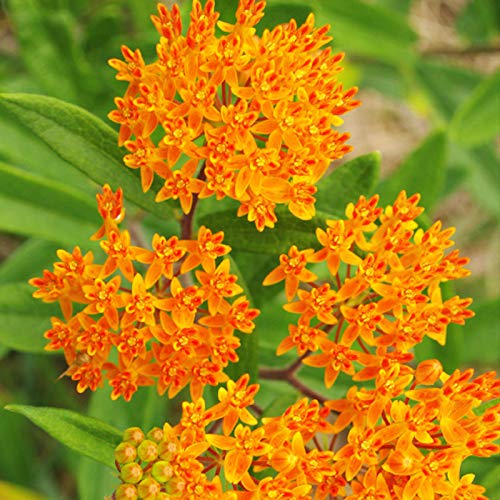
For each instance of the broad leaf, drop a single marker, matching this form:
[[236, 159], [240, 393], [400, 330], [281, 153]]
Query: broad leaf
[[23, 319], [421, 172], [347, 182], [477, 119], [86, 435], [84, 141]]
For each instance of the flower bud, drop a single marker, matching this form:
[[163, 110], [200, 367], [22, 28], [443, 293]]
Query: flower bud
[[149, 489], [155, 434], [133, 435], [131, 473], [125, 453], [147, 451], [126, 492], [162, 471], [428, 372]]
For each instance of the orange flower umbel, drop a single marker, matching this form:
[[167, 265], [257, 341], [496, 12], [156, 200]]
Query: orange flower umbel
[[409, 428], [165, 328], [255, 116]]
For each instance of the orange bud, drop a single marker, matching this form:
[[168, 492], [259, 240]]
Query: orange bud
[[428, 371]]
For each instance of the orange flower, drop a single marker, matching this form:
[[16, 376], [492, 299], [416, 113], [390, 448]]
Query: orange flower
[[266, 101], [241, 448], [293, 270], [162, 331]]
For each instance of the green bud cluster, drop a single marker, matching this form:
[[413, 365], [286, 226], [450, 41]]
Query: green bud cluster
[[145, 470]]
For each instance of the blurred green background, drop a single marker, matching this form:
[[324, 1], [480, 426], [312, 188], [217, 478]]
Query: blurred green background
[[429, 74]]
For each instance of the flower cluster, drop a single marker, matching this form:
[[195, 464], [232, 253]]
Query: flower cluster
[[382, 295], [253, 116], [164, 328], [413, 449]]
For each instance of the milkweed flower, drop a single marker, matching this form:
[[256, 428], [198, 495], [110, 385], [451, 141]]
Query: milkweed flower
[[167, 314], [255, 116], [408, 428], [382, 295]]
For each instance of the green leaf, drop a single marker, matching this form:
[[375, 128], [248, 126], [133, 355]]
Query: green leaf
[[85, 142], [481, 167], [21, 148], [347, 183], [423, 172], [368, 30], [242, 235], [86, 435], [477, 22], [44, 59], [280, 13], [15, 492], [27, 260], [477, 119], [33, 206], [280, 403], [46, 194], [23, 319], [483, 343], [445, 85]]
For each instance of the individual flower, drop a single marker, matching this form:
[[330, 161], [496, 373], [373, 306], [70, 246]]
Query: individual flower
[[234, 115], [136, 328]]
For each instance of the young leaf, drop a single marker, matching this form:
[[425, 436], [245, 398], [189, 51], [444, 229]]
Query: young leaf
[[84, 141], [421, 172], [476, 120], [347, 182], [86, 435], [23, 319]]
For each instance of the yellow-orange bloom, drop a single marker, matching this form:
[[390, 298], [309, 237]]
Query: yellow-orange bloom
[[255, 116], [164, 332]]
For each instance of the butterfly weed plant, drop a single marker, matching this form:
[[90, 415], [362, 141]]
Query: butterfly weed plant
[[247, 124]]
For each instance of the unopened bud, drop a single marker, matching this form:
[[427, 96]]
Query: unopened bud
[[125, 453], [149, 489], [126, 492], [133, 435], [155, 434], [428, 372], [147, 450], [131, 473], [162, 471]]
